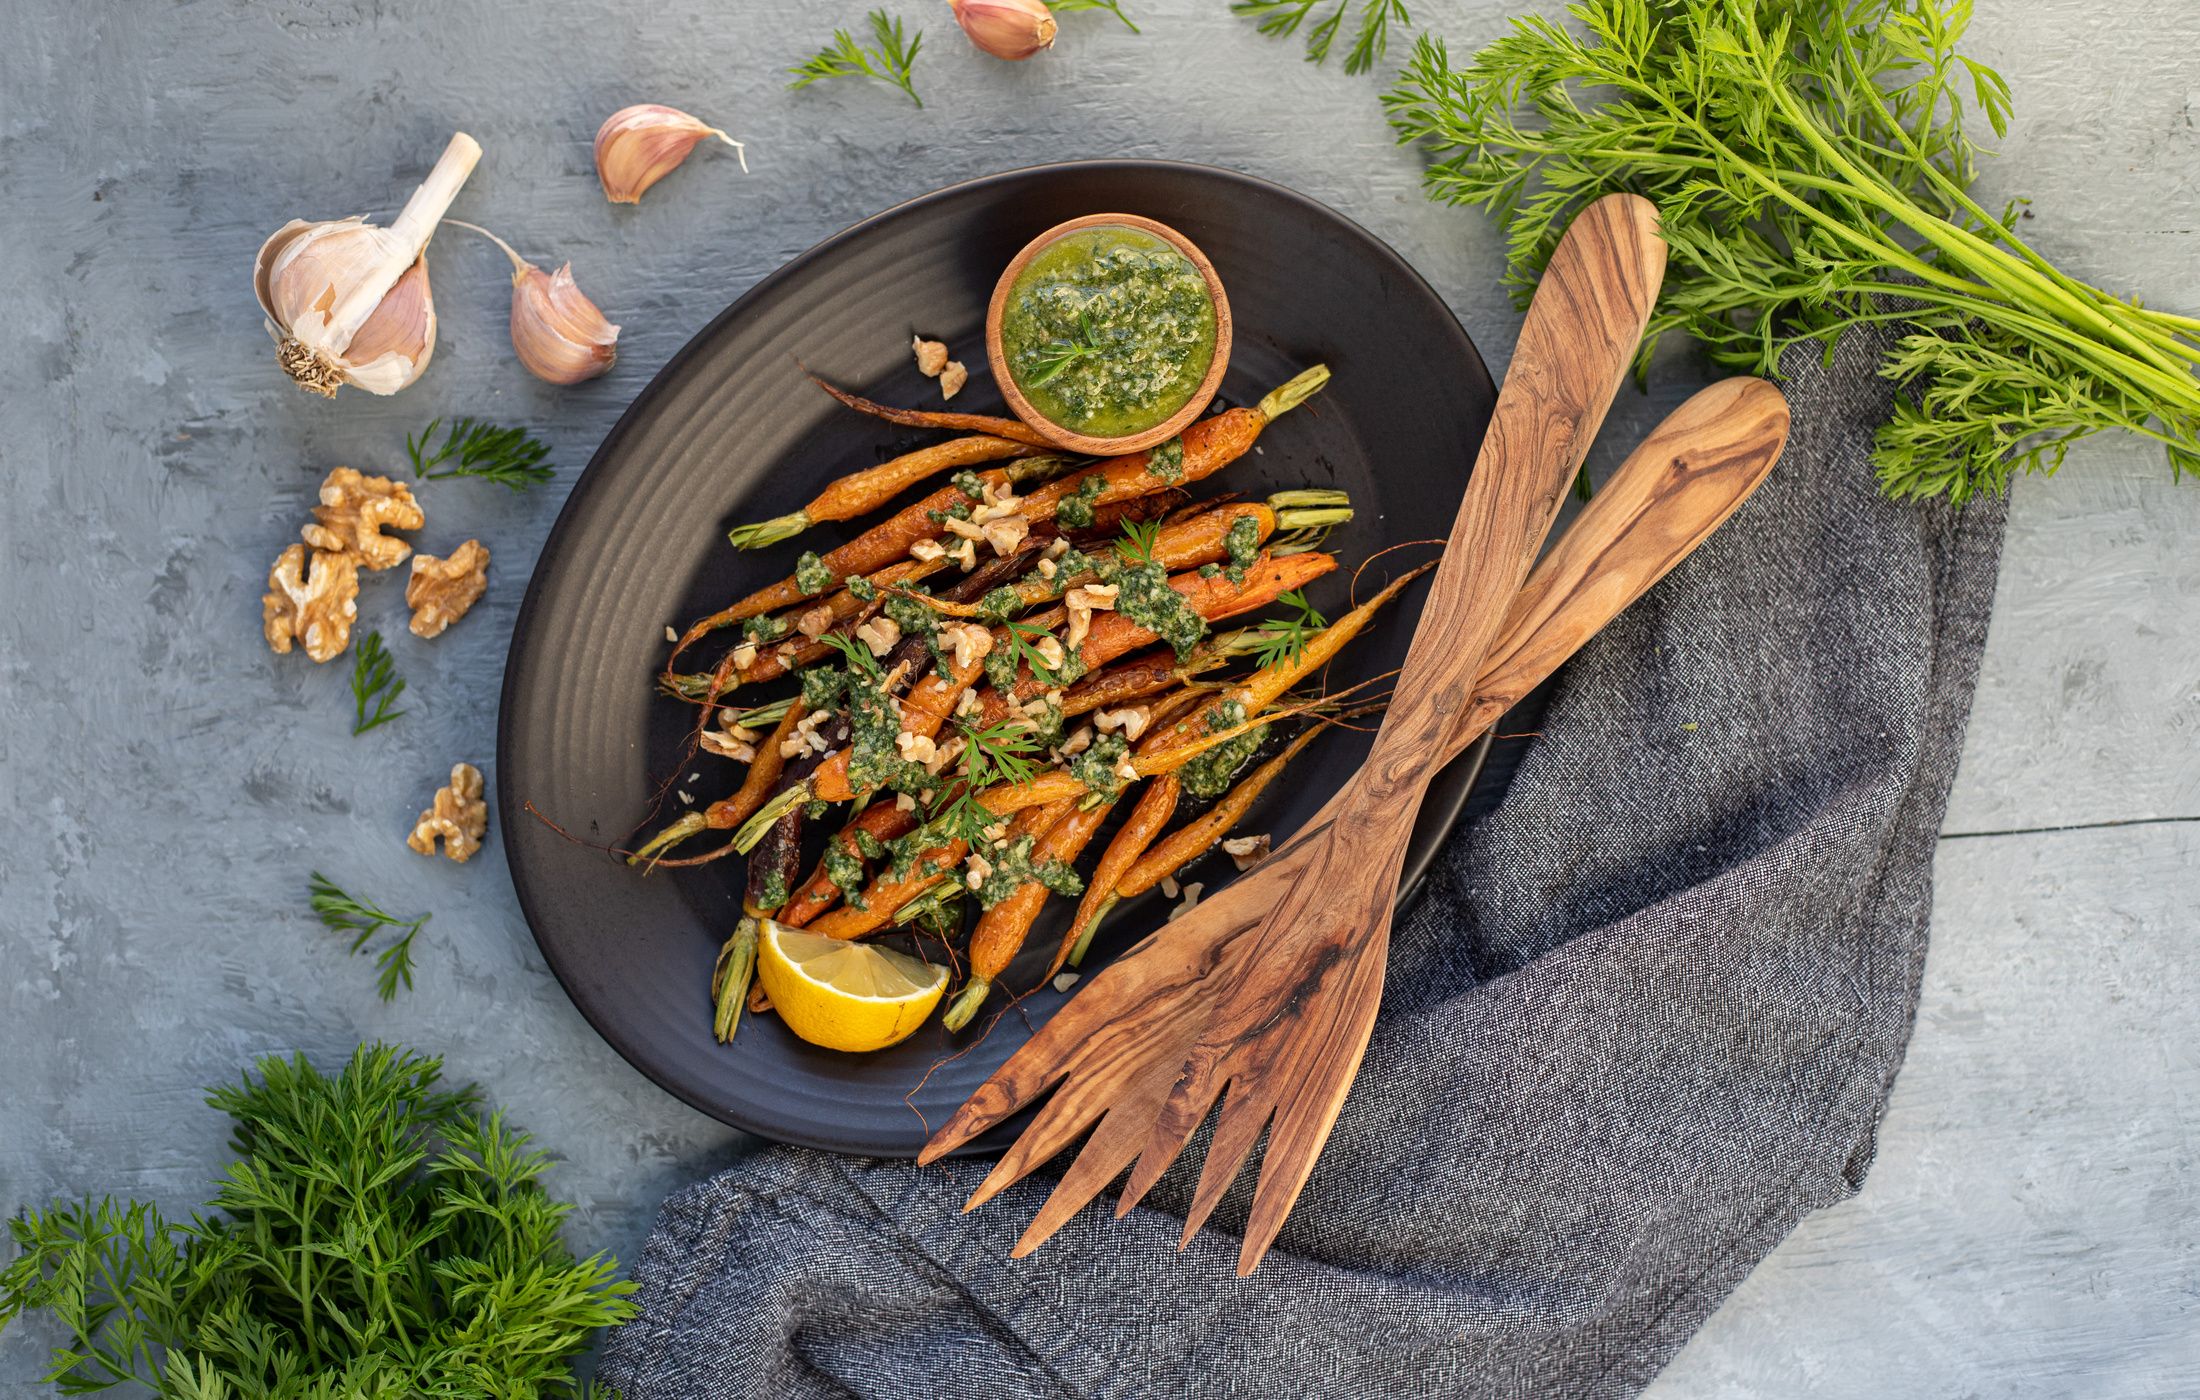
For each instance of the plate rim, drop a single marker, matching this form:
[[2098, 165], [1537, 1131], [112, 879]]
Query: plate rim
[[1414, 875]]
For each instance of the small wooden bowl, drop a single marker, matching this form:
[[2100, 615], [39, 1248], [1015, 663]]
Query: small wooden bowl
[[1109, 446]]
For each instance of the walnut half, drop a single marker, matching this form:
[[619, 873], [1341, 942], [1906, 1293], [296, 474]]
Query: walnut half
[[315, 606], [355, 510], [441, 590], [459, 816]]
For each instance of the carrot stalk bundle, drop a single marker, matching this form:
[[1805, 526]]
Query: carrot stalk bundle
[[763, 775], [729, 980], [860, 493]]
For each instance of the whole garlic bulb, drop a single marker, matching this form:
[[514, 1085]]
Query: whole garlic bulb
[[1010, 29], [559, 334], [640, 145], [348, 302]]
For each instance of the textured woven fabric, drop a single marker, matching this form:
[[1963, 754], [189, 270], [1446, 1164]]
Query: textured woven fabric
[[1646, 1018]]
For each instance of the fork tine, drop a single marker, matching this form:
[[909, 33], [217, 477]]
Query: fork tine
[[1096, 1074], [1245, 1110], [1110, 1149], [1308, 1104], [1198, 1082]]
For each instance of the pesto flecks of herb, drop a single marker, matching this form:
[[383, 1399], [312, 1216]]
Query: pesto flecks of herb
[[1144, 596], [861, 589], [969, 483], [1243, 546], [774, 892], [1209, 570], [823, 687], [1075, 511], [764, 629], [813, 810], [1211, 774], [1095, 767], [1166, 461], [868, 845], [812, 574], [1061, 878], [1001, 604], [1227, 715], [1010, 867]]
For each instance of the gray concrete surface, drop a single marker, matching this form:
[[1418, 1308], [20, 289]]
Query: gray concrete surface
[[2031, 1228]]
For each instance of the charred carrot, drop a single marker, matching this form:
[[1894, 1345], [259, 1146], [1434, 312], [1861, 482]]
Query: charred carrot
[[860, 493], [925, 418], [1203, 449], [886, 895], [763, 776], [1002, 929], [883, 820], [1195, 838], [1117, 633], [868, 552]]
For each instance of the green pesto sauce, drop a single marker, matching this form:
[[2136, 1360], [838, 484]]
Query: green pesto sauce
[[774, 892], [1243, 544], [1165, 461], [812, 574], [844, 868], [861, 589], [1146, 599], [1211, 774], [1108, 331], [764, 629], [1095, 767], [1074, 511]]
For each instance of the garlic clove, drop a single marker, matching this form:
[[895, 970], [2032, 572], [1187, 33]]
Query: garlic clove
[[640, 145], [320, 283], [1010, 29], [558, 332], [394, 346]]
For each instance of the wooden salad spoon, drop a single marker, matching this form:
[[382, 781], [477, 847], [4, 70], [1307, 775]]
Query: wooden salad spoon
[[1672, 492], [1270, 988]]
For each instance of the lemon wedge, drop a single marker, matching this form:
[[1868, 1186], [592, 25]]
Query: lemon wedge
[[844, 995]]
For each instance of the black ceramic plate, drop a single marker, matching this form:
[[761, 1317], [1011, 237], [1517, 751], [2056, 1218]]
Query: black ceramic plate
[[730, 431]]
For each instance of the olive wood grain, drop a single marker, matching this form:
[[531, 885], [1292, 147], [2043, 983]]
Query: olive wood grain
[[1270, 988]]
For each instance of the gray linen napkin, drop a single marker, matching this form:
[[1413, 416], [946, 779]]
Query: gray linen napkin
[[1647, 1017]]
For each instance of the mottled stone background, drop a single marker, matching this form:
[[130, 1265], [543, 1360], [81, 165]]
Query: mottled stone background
[[166, 785]]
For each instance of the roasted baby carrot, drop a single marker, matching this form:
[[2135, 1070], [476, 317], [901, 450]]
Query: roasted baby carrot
[[859, 493], [1002, 929], [926, 418], [1195, 838], [763, 776], [1155, 806], [883, 820]]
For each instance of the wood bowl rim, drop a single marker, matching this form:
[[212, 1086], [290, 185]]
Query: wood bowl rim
[[1176, 422]]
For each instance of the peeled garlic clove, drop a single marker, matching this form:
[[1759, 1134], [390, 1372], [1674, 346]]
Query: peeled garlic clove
[[321, 283], [638, 146], [558, 332], [1010, 29]]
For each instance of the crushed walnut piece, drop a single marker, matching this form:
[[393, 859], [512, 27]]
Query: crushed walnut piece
[[976, 869], [925, 551], [812, 624], [355, 510], [931, 355], [1130, 721], [952, 377], [459, 816], [880, 634], [1189, 902], [965, 553], [313, 605], [1050, 651], [963, 529], [916, 748], [1006, 535], [970, 642], [1079, 741], [441, 590], [1246, 851]]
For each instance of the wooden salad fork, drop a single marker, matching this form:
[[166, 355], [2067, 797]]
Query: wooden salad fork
[[1269, 990]]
